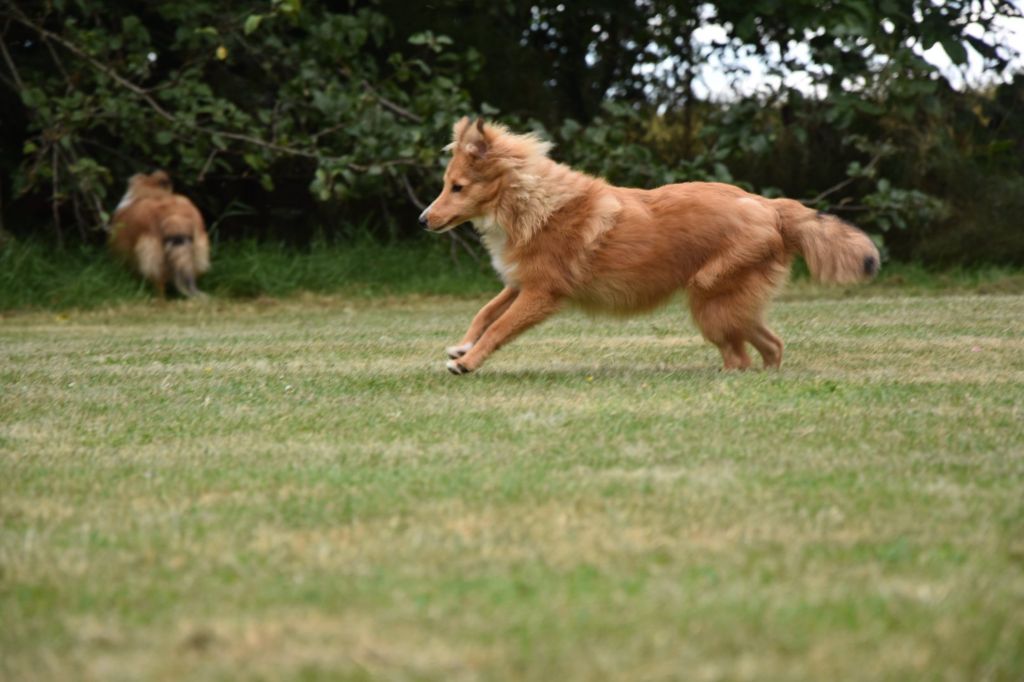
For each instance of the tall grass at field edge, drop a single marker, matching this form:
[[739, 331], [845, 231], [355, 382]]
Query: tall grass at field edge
[[34, 275]]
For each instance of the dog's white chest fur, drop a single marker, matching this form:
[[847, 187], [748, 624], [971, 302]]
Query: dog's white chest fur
[[496, 240]]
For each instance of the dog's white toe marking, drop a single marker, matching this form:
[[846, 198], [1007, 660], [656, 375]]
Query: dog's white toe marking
[[456, 368], [455, 352]]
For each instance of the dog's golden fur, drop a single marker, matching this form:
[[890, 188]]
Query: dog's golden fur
[[556, 235], [161, 234]]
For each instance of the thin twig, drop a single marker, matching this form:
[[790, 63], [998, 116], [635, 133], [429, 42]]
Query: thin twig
[[38, 163], [388, 104], [206, 166], [461, 241], [411, 193], [10, 62], [76, 206], [79, 219], [112, 151], [93, 197], [55, 204], [383, 164], [453, 252], [57, 61], [843, 183], [230, 212], [326, 131], [853, 208]]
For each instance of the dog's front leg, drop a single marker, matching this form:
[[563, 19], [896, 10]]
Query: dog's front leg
[[527, 309], [483, 319]]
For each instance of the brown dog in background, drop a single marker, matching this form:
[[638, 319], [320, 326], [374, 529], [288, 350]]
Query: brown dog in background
[[555, 234], [161, 234]]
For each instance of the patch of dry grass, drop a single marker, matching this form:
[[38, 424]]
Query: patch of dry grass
[[297, 489]]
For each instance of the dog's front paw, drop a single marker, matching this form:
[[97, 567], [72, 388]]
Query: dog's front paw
[[456, 367], [456, 352]]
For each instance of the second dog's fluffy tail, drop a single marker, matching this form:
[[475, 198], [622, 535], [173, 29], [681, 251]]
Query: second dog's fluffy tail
[[187, 252], [835, 251]]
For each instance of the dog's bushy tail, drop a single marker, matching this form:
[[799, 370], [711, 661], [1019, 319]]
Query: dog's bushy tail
[[836, 252], [187, 252]]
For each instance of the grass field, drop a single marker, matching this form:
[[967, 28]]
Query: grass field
[[298, 490]]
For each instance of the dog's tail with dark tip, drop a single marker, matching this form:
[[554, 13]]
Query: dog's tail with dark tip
[[836, 252]]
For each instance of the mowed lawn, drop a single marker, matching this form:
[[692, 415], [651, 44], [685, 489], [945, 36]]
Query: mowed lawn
[[299, 490]]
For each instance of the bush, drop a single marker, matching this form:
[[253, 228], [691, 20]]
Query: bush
[[290, 122]]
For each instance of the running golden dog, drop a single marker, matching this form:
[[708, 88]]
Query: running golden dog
[[557, 235], [161, 234]]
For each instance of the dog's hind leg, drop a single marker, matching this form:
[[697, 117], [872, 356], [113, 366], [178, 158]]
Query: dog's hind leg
[[528, 308], [733, 314], [201, 252], [734, 353], [767, 343], [723, 322], [761, 285], [482, 320], [149, 259]]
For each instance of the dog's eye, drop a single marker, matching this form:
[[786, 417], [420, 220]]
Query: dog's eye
[[456, 188]]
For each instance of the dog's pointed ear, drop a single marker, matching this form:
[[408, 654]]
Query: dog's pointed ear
[[162, 179], [460, 128], [477, 142]]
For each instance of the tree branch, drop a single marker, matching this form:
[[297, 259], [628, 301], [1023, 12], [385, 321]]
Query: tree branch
[[55, 202], [10, 62], [843, 183], [391, 106], [206, 166], [411, 194], [461, 241], [153, 104], [93, 197]]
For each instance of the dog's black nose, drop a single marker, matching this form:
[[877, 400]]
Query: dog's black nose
[[423, 219]]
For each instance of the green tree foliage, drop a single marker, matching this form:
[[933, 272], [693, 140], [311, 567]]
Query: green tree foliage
[[290, 119], [292, 99]]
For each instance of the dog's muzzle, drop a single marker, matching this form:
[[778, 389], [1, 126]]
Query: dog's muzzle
[[425, 222], [423, 218]]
